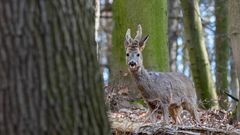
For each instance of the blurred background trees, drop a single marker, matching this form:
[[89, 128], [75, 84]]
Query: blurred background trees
[[234, 35], [194, 42], [174, 32], [221, 51], [203, 56]]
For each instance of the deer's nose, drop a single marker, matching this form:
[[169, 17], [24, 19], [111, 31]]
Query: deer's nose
[[132, 63]]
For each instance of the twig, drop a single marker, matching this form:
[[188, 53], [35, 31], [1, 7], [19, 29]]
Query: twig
[[231, 96]]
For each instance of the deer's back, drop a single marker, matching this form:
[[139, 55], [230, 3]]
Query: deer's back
[[169, 87]]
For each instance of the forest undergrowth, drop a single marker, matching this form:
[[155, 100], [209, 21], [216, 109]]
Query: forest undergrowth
[[128, 116]]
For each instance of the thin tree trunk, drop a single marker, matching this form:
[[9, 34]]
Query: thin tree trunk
[[234, 34], [50, 81], [173, 32], [221, 52], [198, 54], [185, 62]]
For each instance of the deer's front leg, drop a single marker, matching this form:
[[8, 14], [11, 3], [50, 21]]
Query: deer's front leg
[[175, 112], [165, 113], [153, 111]]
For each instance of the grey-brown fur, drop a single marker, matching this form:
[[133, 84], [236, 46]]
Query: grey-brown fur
[[168, 92]]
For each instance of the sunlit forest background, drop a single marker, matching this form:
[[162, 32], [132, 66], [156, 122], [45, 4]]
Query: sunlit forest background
[[214, 75], [216, 42]]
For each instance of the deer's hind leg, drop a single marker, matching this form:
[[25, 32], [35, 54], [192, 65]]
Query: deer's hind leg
[[192, 110], [175, 112]]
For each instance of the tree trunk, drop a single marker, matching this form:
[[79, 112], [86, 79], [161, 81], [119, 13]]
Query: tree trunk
[[173, 32], [234, 86], [234, 34], [153, 18], [198, 54], [50, 81], [221, 52]]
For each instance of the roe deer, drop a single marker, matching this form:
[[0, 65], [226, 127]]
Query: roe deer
[[169, 92]]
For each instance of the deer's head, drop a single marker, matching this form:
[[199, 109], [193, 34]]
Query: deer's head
[[134, 48]]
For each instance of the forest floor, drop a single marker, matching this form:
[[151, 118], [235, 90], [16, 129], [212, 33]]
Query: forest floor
[[127, 119]]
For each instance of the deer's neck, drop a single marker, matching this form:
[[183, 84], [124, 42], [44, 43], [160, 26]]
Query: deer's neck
[[142, 79], [141, 74]]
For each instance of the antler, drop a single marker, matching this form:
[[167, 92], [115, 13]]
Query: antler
[[139, 33]]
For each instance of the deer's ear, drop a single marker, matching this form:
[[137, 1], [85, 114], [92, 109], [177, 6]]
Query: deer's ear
[[142, 43], [127, 38]]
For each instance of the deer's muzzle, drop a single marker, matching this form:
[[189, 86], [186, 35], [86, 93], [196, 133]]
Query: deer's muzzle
[[132, 65]]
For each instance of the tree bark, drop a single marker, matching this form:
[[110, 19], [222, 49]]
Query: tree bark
[[234, 86], [198, 54], [50, 80], [221, 52], [234, 35]]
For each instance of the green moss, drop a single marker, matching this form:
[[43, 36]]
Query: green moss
[[152, 15]]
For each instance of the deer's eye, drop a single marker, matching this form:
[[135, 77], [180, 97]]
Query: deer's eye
[[127, 54], [138, 54]]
